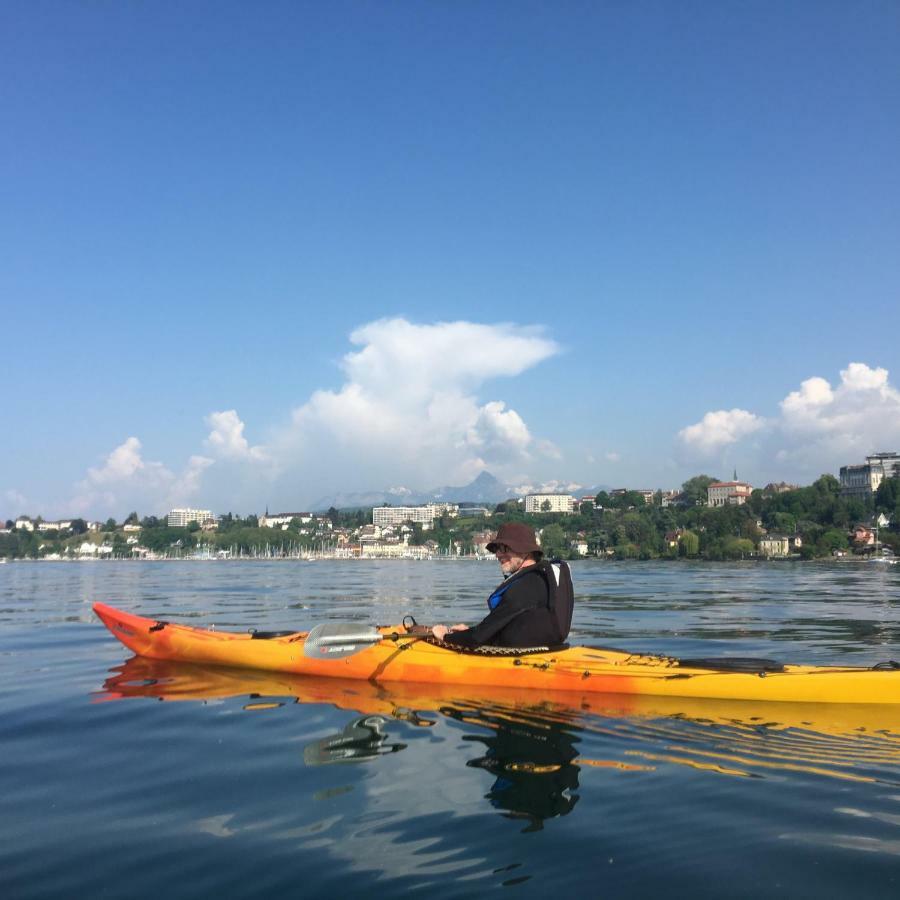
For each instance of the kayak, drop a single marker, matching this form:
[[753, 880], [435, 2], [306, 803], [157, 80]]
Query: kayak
[[397, 654]]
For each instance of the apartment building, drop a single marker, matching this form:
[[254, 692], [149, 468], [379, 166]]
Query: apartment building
[[181, 518], [386, 516], [555, 503]]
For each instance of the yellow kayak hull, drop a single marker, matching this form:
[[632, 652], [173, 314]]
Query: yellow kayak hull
[[402, 658]]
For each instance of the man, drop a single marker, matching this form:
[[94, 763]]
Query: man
[[521, 608]]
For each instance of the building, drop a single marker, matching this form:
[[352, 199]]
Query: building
[[728, 493], [579, 545], [774, 546], [23, 523], [782, 487], [474, 512], [385, 516], [555, 503], [283, 519], [863, 480], [181, 518], [54, 526]]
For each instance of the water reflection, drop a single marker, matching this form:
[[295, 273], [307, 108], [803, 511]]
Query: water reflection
[[531, 758], [363, 738], [528, 742]]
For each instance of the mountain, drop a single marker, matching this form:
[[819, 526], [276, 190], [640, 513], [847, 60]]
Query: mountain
[[484, 489]]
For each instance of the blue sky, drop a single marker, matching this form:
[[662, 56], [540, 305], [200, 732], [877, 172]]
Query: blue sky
[[252, 253]]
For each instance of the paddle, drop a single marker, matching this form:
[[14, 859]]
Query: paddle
[[340, 639]]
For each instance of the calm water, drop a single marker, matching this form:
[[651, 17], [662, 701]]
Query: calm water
[[123, 778]]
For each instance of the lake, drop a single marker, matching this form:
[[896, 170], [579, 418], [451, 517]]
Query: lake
[[126, 778]]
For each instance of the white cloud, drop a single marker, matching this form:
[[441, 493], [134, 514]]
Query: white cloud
[[718, 429], [227, 439], [820, 426], [408, 410], [841, 425], [612, 456], [126, 479]]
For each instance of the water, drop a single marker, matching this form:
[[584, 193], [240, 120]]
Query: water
[[126, 778]]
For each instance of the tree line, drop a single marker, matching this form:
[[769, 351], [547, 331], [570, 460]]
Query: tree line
[[621, 526]]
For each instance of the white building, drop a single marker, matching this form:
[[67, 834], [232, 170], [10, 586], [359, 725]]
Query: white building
[[385, 516], [774, 545], [24, 524], [54, 526], [555, 503], [728, 493], [181, 518], [282, 520]]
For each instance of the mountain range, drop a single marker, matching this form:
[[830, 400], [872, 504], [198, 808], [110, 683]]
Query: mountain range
[[486, 488]]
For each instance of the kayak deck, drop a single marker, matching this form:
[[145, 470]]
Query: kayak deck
[[407, 658]]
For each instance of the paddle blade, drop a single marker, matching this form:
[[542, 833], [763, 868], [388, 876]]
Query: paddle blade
[[335, 641]]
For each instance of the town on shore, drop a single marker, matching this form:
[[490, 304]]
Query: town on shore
[[854, 517]]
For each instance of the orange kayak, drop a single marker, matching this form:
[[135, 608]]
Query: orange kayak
[[397, 656]]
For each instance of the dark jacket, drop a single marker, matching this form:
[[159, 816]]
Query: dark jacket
[[522, 618]]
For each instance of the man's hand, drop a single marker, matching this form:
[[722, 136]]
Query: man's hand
[[440, 631]]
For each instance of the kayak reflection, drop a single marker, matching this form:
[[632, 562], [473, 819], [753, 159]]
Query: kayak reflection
[[528, 742], [528, 739]]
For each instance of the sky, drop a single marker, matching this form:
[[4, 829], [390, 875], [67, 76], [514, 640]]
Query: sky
[[251, 254]]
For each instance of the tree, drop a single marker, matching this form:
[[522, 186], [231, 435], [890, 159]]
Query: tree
[[110, 524], [887, 497], [695, 489], [602, 499], [827, 484], [553, 540], [545, 506], [830, 541], [738, 548], [689, 545], [79, 526], [784, 522], [132, 519]]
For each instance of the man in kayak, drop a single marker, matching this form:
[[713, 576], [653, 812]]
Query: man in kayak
[[521, 608]]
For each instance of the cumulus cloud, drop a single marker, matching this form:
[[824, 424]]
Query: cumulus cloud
[[126, 479], [720, 428], [843, 423], [409, 407], [227, 439], [408, 411], [820, 426]]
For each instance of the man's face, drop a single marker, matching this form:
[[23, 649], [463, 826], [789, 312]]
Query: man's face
[[509, 561]]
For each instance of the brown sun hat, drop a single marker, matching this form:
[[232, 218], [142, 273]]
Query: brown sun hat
[[518, 536]]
